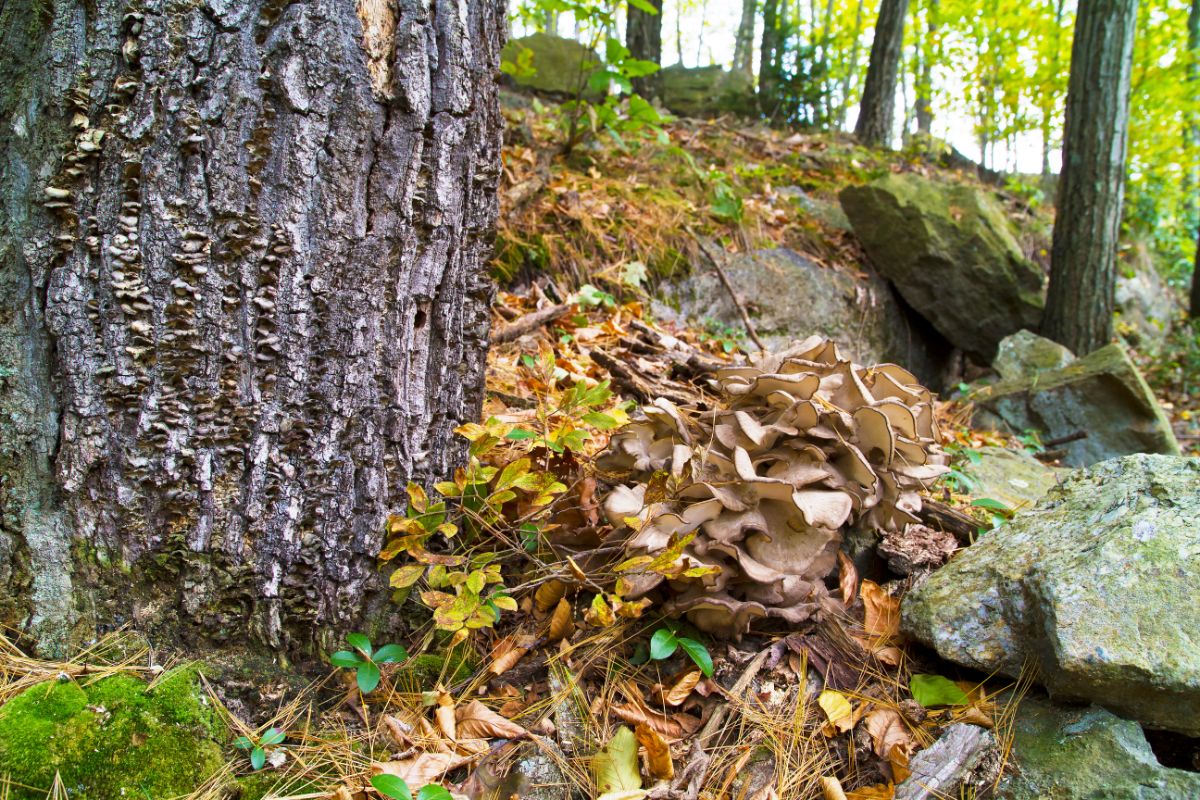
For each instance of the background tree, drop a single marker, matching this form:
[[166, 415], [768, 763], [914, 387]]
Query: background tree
[[1192, 180], [743, 46], [243, 302], [874, 125], [643, 37], [1079, 303], [928, 53]]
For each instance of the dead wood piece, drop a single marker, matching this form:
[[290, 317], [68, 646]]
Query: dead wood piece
[[916, 548], [948, 764], [713, 726], [943, 517], [1061, 440], [684, 357], [642, 386], [529, 323]]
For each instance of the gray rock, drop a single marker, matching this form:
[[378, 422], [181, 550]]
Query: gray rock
[[1146, 304], [828, 213], [1081, 753], [951, 253], [950, 764], [560, 66], [1013, 477], [706, 91], [1025, 354], [1097, 588], [537, 773], [1102, 393], [791, 297]]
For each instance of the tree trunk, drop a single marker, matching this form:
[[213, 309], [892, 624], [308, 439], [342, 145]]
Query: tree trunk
[[879, 92], [743, 46], [925, 79], [769, 52], [1079, 305], [643, 37], [1194, 300], [851, 68], [244, 301], [1192, 189]]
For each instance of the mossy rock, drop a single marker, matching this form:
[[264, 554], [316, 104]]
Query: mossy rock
[[423, 672], [111, 739], [560, 66]]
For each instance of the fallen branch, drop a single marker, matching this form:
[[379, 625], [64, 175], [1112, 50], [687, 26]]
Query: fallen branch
[[737, 301], [529, 323], [943, 517]]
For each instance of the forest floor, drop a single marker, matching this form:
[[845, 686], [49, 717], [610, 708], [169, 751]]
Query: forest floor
[[572, 688]]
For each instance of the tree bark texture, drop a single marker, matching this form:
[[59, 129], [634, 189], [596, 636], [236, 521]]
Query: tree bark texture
[[243, 301], [1079, 302], [875, 113], [743, 44], [643, 37], [1193, 143]]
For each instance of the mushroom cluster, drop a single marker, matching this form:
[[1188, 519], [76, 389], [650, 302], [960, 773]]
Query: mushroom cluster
[[805, 443]]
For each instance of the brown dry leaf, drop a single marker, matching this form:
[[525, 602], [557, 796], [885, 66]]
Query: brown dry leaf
[[399, 731], [831, 788], [421, 769], [579, 574], [444, 714], [848, 577], [882, 611], [891, 740], [658, 753], [674, 726], [477, 721], [677, 688], [976, 716], [548, 594], [561, 624], [509, 651]]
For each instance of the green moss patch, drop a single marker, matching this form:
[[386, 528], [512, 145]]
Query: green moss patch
[[111, 739]]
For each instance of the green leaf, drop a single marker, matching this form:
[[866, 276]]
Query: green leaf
[[390, 653], [368, 677], [698, 653], [258, 757], [344, 658], [663, 644], [392, 786], [644, 6], [432, 791], [272, 736], [519, 434], [359, 641], [992, 505], [243, 743], [598, 420], [934, 690]]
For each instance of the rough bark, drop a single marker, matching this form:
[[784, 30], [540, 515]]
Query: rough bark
[[1193, 143], [643, 37], [743, 45], [875, 113], [1079, 303], [924, 103], [243, 301]]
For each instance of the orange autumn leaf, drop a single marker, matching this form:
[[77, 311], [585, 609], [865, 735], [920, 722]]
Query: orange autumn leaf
[[658, 753], [477, 721], [882, 611], [561, 624]]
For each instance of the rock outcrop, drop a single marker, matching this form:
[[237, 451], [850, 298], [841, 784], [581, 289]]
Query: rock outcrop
[[559, 66], [1101, 394], [951, 253], [706, 91], [791, 297], [1096, 588]]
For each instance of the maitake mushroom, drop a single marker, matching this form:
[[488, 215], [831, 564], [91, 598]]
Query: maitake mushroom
[[807, 444]]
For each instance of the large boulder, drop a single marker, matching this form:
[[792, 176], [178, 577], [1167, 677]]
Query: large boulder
[[1025, 354], [559, 66], [1085, 753], [1096, 589], [1146, 304], [791, 297], [1101, 394], [1013, 477], [951, 253], [706, 91]]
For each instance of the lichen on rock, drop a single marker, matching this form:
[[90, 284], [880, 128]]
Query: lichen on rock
[[112, 738]]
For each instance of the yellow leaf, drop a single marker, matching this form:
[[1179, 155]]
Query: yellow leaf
[[417, 497], [658, 754], [548, 594], [406, 576], [838, 710], [600, 614], [561, 625], [615, 767]]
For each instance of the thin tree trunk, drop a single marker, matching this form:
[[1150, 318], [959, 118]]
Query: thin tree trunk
[[1192, 176], [768, 74], [925, 81], [743, 46], [700, 36], [879, 92], [643, 37], [679, 32], [1048, 107], [550, 23], [1079, 306], [244, 302], [851, 68]]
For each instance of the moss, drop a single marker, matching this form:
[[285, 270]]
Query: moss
[[428, 669], [111, 738], [258, 785]]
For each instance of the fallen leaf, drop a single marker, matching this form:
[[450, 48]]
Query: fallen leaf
[[831, 788], [421, 769], [477, 721], [838, 710], [509, 651], [882, 611], [615, 767], [847, 577], [678, 688], [548, 594], [891, 740], [976, 716], [444, 714], [935, 690], [880, 791], [561, 624], [658, 753]]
